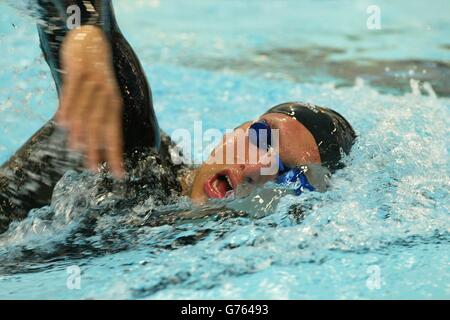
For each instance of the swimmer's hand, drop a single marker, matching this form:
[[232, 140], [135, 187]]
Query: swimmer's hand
[[90, 103]]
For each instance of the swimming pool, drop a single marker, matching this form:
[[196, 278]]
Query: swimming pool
[[382, 231]]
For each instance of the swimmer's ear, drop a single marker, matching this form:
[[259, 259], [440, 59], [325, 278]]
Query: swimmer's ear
[[318, 176]]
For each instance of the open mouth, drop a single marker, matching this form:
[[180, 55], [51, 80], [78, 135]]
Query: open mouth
[[220, 185]]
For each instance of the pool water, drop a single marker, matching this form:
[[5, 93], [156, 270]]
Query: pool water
[[381, 231]]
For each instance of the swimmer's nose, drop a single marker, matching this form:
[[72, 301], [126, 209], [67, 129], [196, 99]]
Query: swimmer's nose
[[251, 173]]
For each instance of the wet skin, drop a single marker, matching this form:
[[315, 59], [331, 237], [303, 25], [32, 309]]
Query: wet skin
[[218, 178]]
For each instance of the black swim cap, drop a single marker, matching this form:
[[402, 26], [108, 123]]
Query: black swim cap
[[333, 134]]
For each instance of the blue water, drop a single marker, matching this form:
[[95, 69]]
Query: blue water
[[383, 229]]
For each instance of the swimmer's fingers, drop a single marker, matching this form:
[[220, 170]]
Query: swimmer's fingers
[[70, 88], [113, 136], [94, 131], [80, 109]]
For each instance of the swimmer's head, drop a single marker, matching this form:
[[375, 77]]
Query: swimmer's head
[[305, 134]]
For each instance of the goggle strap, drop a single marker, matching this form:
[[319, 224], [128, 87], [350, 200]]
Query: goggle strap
[[295, 176]]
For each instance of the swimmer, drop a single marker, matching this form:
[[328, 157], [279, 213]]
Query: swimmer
[[106, 113]]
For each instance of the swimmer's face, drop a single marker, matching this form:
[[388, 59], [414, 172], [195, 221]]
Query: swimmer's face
[[229, 172]]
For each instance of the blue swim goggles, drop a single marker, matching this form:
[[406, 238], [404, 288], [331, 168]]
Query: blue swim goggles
[[292, 177]]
